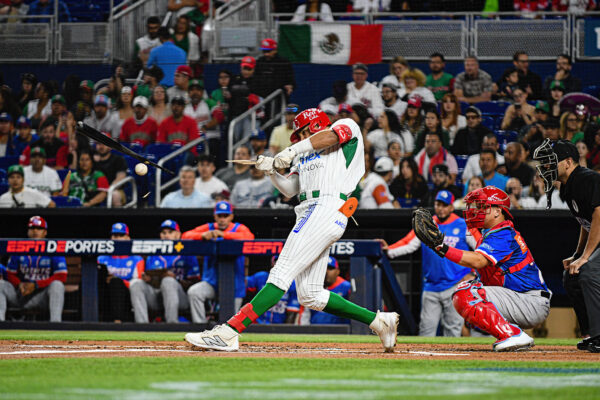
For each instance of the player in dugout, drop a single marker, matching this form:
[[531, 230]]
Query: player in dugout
[[336, 284], [166, 278], [510, 292], [222, 229], [35, 282]]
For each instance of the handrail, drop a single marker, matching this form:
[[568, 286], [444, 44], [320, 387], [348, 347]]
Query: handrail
[[130, 9], [229, 9], [115, 186], [158, 178], [251, 112]]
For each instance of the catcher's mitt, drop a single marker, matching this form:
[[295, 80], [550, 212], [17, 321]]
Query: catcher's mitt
[[427, 231]]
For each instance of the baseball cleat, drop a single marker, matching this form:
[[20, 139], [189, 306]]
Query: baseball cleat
[[520, 341], [221, 338], [385, 325]]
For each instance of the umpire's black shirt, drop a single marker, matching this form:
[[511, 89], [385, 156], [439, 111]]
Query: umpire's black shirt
[[582, 195]]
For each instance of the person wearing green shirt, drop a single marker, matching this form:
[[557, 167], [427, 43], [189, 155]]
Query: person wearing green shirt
[[152, 78], [569, 130], [438, 81], [87, 184], [221, 94]]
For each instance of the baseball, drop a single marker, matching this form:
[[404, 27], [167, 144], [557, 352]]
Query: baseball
[[141, 169]]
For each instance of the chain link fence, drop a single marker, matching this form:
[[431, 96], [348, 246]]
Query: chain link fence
[[31, 42], [84, 42]]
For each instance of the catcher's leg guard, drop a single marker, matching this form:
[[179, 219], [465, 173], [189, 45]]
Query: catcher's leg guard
[[470, 302]]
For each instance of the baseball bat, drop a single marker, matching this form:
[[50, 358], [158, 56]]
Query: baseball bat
[[99, 137]]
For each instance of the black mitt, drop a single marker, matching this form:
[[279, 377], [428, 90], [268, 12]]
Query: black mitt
[[427, 231]]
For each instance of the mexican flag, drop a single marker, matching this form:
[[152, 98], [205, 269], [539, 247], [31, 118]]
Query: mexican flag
[[329, 43]]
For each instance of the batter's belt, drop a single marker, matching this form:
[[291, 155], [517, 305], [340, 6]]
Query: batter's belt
[[315, 194]]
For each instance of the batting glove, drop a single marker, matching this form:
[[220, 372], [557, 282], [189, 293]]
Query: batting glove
[[284, 158], [265, 164]]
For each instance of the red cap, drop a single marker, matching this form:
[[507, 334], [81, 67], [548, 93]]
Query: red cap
[[37, 222], [345, 108], [415, 101], [268, 44], [248, 62], [184, 70]]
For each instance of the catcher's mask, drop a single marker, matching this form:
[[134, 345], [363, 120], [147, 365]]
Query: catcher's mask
[[478, 201], [315, 119], [548, 163]]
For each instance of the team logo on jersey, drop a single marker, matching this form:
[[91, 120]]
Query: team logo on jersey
[[575, 206], [331, 44], [455, 231]]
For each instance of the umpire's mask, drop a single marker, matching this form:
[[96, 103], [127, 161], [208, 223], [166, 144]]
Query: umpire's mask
[[548, 163]]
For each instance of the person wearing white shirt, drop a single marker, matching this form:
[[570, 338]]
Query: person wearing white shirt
[[39, 176], [20, 196], [389, 131], [391, 99], [370, 6], [514, 189], [367, 93], [376, 192], [414, 85], [252, 192], [340, 96], [397, 66], [207, 183], [187, 196], [101, 119], [490, 141], [315, 9]]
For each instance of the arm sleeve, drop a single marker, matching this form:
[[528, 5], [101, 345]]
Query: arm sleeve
[[102, 182], [196, 233], [288, 185], [55, 183], [242, 233], [452, 165], [408, 244], [380, 194]]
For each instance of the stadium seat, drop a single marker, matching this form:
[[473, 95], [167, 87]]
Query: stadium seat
[[408, 203], [2, 175], [66, 201], [592, 90], [463, 107], [138, 148], [7, 161], [62, 173], [461, 161], [505, 137], [493, 107], [489, 122]]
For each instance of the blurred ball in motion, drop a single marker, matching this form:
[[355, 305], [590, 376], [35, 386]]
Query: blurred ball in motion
[[141, 169]]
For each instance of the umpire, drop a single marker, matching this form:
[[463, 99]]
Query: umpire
[[580, 189]]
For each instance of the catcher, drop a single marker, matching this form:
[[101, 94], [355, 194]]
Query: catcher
[[510, 292]]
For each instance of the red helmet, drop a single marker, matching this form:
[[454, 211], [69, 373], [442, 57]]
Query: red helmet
[[316, 120], [479, 200], [37, 222]]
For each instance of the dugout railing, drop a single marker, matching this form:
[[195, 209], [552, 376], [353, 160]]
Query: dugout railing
[[370, 270]]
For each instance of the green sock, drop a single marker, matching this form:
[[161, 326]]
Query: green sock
[[337, 305], [268, 296]]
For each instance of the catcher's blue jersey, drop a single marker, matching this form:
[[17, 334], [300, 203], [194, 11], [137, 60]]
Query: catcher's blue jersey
[[184, 267], [277, 313]]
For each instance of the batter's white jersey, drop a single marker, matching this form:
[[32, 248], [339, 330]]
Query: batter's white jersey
[[334, 170]]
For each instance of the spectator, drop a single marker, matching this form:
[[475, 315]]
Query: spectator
[[414, 85], [187, 196], [514, 189], [84, 105], [123, 111], [593, 157], [468, 140], [8, 105], [394, 151], [273, 71], [206, 182], [56, 150], [440, 276], [115, 86], [15, 8], [452, 120], [336, 284], [370, 6], [364, 91], [569, 129], [515, 167], [433, 123], [160, 109], [253, 191], [488, 165], [152, 77], [114, 278], [473, 85], [504, 91], [474, 183], [551, 129], [40, 177], [441, 181], [178, 129], [28, 83], [409, 185], [232, 175], [46, 7], [528, 80], [397, 67], [206, 114], [20, 196], [186, 40], [87, 183], [538, 193], [114, 167], [24, 136], [563, 75], [146, 43], [222, 229], [242, 96], [101, 118], [70, 88], [376, 193], [164, 281], [432, 154], [529, 8], [389, 131], [258, 142], [66, 121], [340, 96], [315, 10], [573, 7], [141, 128], [413, 119], [438, 81], [391, 100], [39, 108], [35, 282], [6, 135], [218, 95], [532, 134], [77, 143], [518, 114], [183, 74], [280, 137], [167, 56]]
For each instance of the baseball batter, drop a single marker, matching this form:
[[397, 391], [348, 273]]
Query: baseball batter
[[326, 163]]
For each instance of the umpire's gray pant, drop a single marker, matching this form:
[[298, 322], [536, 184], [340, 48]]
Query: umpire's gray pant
[[436, 306], [199, 293], [144, 296], [51, 298]]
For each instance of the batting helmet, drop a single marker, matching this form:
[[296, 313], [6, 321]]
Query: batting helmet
[[315, 119], [478, 201]]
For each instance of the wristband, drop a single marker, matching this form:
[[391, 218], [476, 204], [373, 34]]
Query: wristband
[[303, 146], [454, 255]]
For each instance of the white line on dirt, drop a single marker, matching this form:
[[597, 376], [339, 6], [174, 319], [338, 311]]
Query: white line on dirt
[[430, 353], [128, 350]]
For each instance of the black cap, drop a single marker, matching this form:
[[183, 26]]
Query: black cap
[[440, 168], [551, 123], [178, 99], [565, 149]]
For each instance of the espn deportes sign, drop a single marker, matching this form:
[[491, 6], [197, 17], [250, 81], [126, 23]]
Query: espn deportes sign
[[61, 246]]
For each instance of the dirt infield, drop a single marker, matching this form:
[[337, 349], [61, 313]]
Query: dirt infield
[[18, 349]]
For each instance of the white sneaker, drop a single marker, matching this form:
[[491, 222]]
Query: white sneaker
[[517, 342], [221, 337], [385, 325]]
